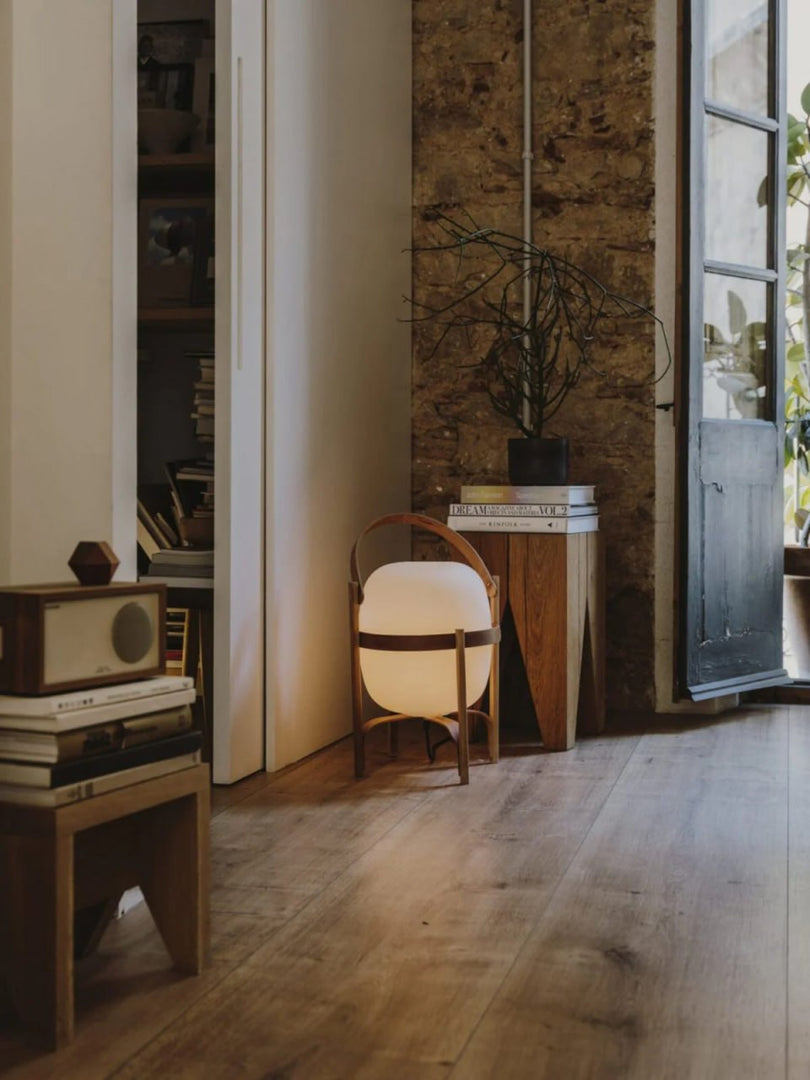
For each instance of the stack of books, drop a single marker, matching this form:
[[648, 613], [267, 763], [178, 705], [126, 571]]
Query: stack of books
[[176, 640], [182, 563], [501, 507], [203, 410], [62, 748], [195, 481]]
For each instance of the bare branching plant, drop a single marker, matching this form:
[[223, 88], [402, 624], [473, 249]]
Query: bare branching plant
[[531, 362]]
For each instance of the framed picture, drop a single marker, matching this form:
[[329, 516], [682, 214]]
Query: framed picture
[[180, 42], [169, 86], [171, 232]]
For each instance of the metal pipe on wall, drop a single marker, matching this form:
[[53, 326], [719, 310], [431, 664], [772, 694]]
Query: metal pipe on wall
[[528, 158]]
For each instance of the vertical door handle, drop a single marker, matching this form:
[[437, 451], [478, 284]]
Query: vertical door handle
[[240, 174]]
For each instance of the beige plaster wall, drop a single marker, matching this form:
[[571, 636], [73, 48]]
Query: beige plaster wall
[[55, 227]]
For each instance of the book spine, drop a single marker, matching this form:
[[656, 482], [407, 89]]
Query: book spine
[[88, 699], [524, 524], [518, 510]]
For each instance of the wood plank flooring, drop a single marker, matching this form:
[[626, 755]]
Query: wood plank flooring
[[633, 909]]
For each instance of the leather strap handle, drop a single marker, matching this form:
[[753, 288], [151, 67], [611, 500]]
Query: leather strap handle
[[429, 524]]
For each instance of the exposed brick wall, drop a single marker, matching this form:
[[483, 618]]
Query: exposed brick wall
[[592, 194]]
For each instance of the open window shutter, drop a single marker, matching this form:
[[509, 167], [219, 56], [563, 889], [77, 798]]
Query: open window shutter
[[733, 392]]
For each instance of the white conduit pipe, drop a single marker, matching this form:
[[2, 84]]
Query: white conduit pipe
[[528, 158]]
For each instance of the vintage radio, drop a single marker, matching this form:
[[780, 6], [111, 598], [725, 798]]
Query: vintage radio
[[67, 637]]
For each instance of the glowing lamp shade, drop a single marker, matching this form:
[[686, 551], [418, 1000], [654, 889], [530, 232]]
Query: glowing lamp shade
[[424, 642], [423, 598]]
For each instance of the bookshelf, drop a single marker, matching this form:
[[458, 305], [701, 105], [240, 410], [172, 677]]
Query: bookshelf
[[172, 325], [176, 321]]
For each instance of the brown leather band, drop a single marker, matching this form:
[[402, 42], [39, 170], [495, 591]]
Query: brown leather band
[[427, 642], [429, 524]]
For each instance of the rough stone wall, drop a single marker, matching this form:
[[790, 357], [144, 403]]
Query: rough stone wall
[[592, 194]]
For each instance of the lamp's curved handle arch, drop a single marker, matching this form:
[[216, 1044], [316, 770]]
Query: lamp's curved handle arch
[[429, 524]]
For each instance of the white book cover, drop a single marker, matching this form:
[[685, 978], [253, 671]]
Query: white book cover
[[99, 785], [525, 524], [521, 510], [50, 704], [69, 720], [572, 494]]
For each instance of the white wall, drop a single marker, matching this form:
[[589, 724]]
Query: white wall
[[55, 226], [339, 171]]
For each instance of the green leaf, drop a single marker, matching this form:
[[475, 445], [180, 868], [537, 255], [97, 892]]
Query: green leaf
[[795, 186], [762, 192], [795, 352], [737, 316]]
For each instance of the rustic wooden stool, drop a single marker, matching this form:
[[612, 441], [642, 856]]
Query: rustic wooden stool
[[82, 857]]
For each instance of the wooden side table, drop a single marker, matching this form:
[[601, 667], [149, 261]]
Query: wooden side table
[[554, 584], [54, 862]]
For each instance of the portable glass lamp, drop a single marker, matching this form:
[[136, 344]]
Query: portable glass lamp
[[424, 642]]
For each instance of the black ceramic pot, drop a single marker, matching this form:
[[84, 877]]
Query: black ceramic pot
[[538, 461]]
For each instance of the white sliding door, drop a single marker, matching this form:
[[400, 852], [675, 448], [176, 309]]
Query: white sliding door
[[338, 446], [238, 734]]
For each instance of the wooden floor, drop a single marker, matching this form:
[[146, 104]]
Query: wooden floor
[[635, 908]]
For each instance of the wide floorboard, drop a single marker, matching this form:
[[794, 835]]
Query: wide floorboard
[[633, 909]]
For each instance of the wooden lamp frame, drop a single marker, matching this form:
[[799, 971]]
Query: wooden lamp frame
[[457, 724]]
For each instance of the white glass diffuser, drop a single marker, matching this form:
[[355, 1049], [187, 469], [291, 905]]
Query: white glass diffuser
[[423, 598]]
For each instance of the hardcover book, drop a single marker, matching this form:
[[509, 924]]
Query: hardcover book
[[99, 785], [71, 719], [51, 747], [573, 495], [49, 704], [562, 510], [525, 524], [87, 768]]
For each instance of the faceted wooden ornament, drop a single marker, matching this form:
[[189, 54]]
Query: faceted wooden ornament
[[93, 562]]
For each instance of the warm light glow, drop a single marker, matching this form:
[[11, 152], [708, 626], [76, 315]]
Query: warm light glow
[[423, 598]]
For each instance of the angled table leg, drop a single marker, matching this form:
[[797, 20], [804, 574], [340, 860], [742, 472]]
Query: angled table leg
[[554, 585]]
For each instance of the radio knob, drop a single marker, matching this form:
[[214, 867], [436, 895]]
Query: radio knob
[[132, 633]]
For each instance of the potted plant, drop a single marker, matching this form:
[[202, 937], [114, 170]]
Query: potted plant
[[537, 315], [797, 390]]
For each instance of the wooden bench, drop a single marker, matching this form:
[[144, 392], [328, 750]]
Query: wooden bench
[[81, 857]]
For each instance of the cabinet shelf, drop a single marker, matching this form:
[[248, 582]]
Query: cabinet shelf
[[176, 318], [202, 161]]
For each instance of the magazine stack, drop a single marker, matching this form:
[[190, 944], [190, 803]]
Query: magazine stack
[[534, 509], [61, 748]]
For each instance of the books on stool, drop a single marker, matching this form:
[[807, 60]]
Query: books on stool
[[61, 748], [534, 509]]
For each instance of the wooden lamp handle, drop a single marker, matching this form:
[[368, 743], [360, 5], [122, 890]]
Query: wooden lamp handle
[[429, 524]]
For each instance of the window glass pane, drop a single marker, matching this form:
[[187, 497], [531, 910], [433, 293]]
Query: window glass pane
[[736, 349], [736, 172], [737, 53]]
